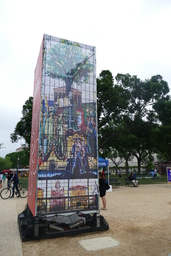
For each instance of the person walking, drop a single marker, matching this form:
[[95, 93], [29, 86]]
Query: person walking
[[102, 190], [15, 184]]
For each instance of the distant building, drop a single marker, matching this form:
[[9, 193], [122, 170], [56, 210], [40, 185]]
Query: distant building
[[19, 149]]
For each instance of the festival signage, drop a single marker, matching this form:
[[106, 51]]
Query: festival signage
[[63, 159], [169, 175]]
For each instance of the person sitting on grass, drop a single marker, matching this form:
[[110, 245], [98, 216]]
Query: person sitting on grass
[[132, 178]]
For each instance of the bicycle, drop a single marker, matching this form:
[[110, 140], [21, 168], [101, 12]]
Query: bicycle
[[7, 192]]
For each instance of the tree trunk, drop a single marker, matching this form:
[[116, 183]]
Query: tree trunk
[[116, 169], [139, 165], [68, 82], [127, 166]]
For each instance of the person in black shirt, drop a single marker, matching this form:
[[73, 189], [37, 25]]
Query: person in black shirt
[[15, 184], [102, 190], [9, 176]]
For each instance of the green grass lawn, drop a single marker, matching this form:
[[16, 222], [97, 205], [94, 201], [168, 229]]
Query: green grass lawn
[[24, 181], [142, 181]]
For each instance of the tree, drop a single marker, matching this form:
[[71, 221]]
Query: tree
[[20, 159], [141, 119], [162, 133], [66, 61], [112, 103], [23, 127], [1, 145], [126, 113], [123, 144], [5, 163], [115, 157], [148, 162], [142, 140]]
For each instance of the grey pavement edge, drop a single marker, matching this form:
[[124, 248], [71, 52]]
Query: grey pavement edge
[[10, 242]]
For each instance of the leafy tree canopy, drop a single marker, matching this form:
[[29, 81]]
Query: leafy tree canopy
[[5, 163], [162, 133], [135, 118], [23, 127], [19, 159]]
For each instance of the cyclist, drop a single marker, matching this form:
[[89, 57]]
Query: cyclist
[[15, 184], [9, 176]]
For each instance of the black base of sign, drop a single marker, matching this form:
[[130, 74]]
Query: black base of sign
[[44, 227]]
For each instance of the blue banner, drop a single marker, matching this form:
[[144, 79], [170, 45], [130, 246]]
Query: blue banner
[[169, 175]]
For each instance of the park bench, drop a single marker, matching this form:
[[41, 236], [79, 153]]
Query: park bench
[[113, 181], [128, 182]]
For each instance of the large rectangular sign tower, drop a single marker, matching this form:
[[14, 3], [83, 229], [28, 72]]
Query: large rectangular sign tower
[[63, 175]]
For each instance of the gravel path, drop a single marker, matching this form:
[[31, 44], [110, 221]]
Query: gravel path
[[139, 219], [10, 242]]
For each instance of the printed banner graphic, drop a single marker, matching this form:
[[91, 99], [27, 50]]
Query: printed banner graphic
[[169, 175], [67, 166]]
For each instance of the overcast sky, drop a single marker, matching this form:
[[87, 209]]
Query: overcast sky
[[130, 37]]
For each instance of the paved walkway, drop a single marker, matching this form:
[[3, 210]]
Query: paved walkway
[[10, 241]]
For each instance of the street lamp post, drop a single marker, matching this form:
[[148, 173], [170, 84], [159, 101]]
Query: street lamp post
[[17, 164]]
